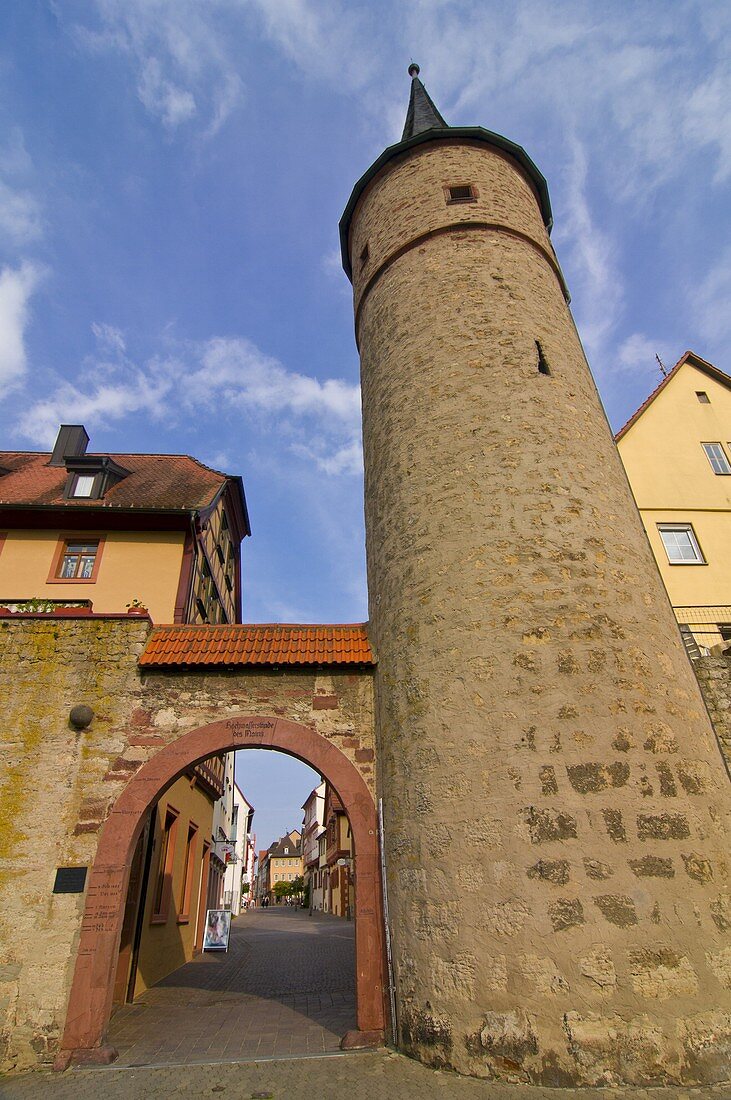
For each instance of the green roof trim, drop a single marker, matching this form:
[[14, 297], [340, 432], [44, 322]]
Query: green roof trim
[[448, 133]]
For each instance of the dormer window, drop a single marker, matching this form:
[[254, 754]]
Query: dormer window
[[90, 476], [83, 485]]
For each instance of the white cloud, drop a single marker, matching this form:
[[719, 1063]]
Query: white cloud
[[20, 216], [172, 103], [235, 369], [16, 287], [109, 338], [598, 288], [323, 40], [181, 54], [102, 404], [637, 355], [21, 221], [708, 118], [318, 421], [711, 307]]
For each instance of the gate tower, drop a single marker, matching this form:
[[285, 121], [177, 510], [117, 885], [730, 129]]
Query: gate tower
[[556, 807]]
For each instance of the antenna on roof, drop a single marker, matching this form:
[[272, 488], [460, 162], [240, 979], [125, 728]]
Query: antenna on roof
[[663, 369]]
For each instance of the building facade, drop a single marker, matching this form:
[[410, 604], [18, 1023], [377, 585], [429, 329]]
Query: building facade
[[676, 450], [105, 531], [137, 534], [338, 856], [239, 874], [312, 829], [282, 864], [168, 892]]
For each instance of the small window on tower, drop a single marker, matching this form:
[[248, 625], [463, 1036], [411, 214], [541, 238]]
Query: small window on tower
[[543, 367], [364, 256], [462, 192], [703, 397]]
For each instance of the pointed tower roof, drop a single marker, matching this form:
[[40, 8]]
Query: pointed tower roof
[[422, 114], [424, 123]]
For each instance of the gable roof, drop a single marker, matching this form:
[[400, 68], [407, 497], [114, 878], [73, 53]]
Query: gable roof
[[294, 848], [154, 483], [692, 360]]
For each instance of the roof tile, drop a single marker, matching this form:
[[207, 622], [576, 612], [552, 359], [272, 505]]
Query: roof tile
[[257, 644], [154, 482]]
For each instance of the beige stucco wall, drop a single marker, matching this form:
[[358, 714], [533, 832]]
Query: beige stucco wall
[[166, 946], [555, 803], [57, 784], [673, 482], [143, 565]]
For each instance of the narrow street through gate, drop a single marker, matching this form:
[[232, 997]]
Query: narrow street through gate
[[285, 988]]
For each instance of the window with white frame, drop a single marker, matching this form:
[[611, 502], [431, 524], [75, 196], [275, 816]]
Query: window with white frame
[[83, 485], [681, 545], [717, 458]]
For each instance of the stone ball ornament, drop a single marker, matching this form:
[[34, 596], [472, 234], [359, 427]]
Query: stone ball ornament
[[81, 716]]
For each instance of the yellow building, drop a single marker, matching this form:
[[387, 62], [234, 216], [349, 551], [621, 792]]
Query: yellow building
[[101, 531], [284, 861], [166, 901], [676, 450], [90, 534]]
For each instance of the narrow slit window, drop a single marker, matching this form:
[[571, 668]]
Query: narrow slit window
[[364, 256], [543, 367], [703, 397], [461, 192]]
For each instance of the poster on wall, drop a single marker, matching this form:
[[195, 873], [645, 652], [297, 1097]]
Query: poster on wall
[[218, 930]]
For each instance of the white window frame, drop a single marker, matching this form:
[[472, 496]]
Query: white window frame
[[717, 457], [84, 485], [686, 528]]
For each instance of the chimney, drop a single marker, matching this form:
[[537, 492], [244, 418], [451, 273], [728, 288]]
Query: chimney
[[71, 441]]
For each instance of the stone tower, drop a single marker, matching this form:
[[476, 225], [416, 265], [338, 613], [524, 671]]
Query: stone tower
[[556, 807]]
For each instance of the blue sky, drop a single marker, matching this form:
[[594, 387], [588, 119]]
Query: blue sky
[[171, 177]]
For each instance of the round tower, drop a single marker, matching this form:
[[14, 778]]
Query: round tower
[[554, 796]]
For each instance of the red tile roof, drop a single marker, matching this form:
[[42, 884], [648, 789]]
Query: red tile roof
[[257, 644], [156, 482], [694, 361]]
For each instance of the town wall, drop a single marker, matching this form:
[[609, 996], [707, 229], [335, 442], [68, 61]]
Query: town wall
[[58, 783], [556, 808], [714, 677]]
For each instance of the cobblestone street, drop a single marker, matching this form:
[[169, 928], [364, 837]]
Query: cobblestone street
[[285, 987], [355, 1076]]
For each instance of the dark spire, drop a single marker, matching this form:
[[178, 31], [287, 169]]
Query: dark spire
[[422, 114]]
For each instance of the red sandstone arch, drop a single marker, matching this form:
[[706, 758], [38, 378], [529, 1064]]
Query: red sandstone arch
[[90, 1000]]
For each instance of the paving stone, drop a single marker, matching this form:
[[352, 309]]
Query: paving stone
[[286, 983], [372, 1076]]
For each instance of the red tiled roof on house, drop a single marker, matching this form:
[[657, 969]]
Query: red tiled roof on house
[[257, 644], [694, 361], [154, 482]]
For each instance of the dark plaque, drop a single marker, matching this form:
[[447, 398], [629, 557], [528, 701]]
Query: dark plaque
[[70, 880]]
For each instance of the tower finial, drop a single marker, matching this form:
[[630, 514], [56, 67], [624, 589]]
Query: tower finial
[[422, 115]]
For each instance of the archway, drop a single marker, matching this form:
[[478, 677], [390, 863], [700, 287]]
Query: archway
[[90, 1000]]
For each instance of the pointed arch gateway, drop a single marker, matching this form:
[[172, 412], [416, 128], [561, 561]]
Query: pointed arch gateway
[[90, 1000]]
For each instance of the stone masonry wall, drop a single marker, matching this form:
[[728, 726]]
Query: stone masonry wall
[[714, 677], [557, 812], [57, 784]]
